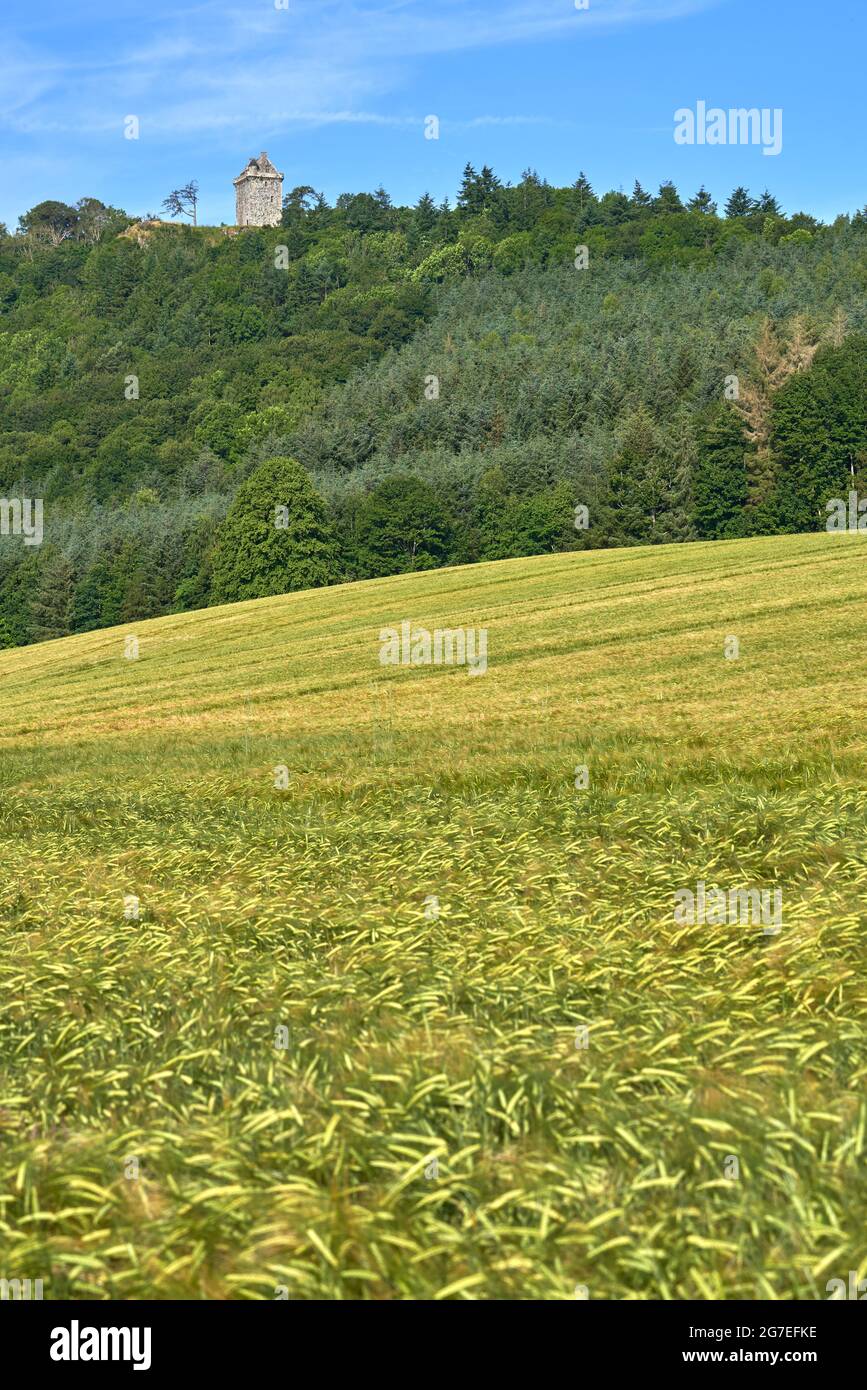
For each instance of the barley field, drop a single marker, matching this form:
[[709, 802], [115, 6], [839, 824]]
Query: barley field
[[420, 1021]]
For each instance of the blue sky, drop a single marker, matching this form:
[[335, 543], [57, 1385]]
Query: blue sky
[[337, 92]]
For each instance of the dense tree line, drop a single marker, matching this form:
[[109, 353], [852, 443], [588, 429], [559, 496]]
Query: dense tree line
[[453, 381]]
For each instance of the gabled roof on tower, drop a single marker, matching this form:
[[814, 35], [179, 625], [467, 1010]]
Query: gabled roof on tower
[[260, 167]]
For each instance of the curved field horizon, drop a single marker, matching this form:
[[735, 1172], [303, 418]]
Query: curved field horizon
[[329, 978]]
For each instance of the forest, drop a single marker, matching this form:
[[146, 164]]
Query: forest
[[210, 414]]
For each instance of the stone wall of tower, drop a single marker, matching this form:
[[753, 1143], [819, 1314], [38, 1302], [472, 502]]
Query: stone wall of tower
[[259, 201]]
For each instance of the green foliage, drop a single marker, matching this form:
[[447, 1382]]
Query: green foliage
[[168, 363], [276, 537], [720, 478], [51, 603], [682, 237], [638, 480], [401, 528], [819, 434], [446, 264], [513, 253]]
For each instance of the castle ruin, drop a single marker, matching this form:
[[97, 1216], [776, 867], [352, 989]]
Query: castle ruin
[[259, 194]]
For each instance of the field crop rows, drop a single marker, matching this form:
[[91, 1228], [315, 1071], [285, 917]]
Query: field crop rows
[[338, 1052]]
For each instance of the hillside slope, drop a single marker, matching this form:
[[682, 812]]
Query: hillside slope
[[712, 386], [431, 909]]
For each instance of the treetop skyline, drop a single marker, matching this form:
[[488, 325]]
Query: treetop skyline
[[351, 94]]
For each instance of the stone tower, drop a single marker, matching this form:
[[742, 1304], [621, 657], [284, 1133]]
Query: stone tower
[[259, 194]]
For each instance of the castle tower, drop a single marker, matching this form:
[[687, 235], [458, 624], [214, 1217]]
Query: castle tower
[[259, 194]]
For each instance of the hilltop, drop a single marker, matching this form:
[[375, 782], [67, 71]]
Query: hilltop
[[464, 377]]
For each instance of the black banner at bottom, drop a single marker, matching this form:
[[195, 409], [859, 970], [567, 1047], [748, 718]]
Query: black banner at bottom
[[83, 1339]]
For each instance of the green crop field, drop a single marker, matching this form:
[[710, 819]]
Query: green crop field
[[338, 1052]]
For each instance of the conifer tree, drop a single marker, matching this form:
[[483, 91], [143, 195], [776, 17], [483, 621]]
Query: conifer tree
[[637, 480], [768, 205], [469, 193], [740, 204], [818, 430], [719, 484], [668, 199], [51, 604], [702, 202], [583, 200], [425, 213]]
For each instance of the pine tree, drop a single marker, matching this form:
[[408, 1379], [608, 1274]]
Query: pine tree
[[678, 449], [640, 198], [740, 204], [768, 205], [469, 193], [146, 591], [98, 598], [488, 184], [668, 199], [583, 197], [818, 428], [529, 200], [719, 485], [425, 213], [702, 202], [614, 209], [637, 480], [51, 604], [496, 517]]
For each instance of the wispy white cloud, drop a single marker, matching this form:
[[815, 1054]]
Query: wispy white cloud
[[218, 65]]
